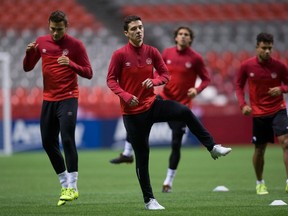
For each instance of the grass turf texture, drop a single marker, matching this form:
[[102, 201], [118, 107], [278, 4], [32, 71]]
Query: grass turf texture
[[29, 186]]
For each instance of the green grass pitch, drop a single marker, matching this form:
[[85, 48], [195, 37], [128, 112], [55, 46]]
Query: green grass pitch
[[29, 186]]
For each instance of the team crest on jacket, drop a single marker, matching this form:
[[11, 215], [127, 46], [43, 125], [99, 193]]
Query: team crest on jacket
[[274, 75], [65, 52], [168, 61], [188, 64], [251, 74], [149, 61], [127, 64]]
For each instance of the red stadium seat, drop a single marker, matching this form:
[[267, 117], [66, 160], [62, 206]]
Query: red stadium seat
[[209, 12], [33, 14]]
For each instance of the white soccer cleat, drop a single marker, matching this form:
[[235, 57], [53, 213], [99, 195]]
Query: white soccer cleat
[[153, 205], [219, 151]]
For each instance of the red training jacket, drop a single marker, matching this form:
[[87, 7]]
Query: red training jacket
[[128, 68], [184, 66], [260, 77], [59, 81]]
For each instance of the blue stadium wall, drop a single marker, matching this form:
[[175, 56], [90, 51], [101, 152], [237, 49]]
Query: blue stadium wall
[[90, 134]]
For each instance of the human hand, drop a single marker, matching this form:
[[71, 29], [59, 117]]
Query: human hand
[[147, 83], [246, 110], [31, 46], [63, 60], [276, 91], [192, 92], [134, 101]]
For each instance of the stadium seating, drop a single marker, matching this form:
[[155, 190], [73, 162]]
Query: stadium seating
[[33, 14], [202, 12], [225, 35], [225, 31]]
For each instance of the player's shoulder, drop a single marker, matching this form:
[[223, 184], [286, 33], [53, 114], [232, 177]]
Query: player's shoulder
[[277, 61], [121, 52], [44, 37], [122, 49], [151, 50], [249, 61], [169, 49], [194, 53], [149, 47], [73, 39]]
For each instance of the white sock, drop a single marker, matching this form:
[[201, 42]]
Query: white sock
[[260, 182], [287, 181], [73, 178], [63, 178], [128, 150], [169, 177]]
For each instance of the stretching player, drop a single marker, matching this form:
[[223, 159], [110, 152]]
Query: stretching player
[[184, 65], [130, 76]]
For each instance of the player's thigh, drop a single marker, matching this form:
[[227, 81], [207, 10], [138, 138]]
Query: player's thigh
[[280, 123]]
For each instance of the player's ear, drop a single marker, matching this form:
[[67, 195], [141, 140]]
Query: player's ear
[[126, 33]]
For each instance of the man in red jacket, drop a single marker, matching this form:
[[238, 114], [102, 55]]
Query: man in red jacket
[[184, 65], [131, 77], [63, 59], [267, 79]]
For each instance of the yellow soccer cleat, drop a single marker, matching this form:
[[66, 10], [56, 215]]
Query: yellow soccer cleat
[[261, 189], [69, 194], [62, 193], [61, 202]]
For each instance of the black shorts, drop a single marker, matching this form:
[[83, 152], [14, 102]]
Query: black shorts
[[267, 127]]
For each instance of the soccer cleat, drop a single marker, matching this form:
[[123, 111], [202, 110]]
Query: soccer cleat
[[62, 193], [153, 205], [286, 189], [61, 202], [219, 151], [69, 194], [166, 189], [261, 189], [122, 159]]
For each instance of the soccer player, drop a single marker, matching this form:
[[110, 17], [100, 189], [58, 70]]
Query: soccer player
[[184, 65], [63, 59], [130, 76], [267, 78]]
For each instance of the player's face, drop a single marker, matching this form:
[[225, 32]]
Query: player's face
[[264, 51], [135, 32], [57, 30], [183, 38]]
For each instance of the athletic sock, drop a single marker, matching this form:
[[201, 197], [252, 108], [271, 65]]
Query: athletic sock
[[169, 177], [128, 150], [260, 182], [63, 178], [73, 178]]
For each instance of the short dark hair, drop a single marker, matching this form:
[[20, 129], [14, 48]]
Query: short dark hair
[[265, 37], [186, 28], [130, 19], [58, 16]]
